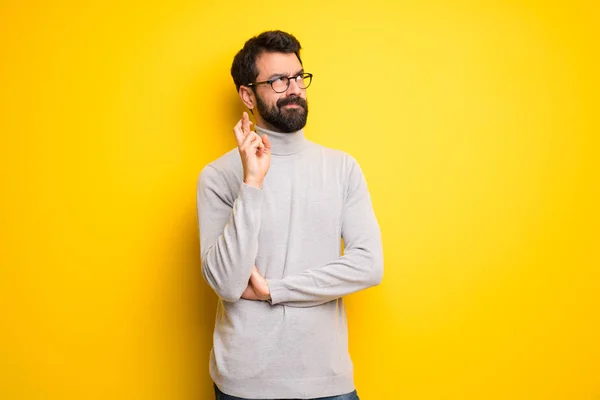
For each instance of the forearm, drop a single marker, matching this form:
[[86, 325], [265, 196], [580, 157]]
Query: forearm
[[358, 269]]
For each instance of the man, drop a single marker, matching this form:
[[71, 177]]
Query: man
[[271, 214]]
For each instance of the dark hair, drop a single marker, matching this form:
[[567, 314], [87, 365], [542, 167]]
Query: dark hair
[[243, 69]]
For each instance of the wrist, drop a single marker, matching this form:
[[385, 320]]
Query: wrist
[[257, 183]]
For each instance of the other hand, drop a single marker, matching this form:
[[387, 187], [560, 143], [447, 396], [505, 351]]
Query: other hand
[[258, 287]]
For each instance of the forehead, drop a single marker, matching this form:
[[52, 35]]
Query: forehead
[[277, 63]]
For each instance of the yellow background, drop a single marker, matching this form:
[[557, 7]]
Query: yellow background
[[476, 124]]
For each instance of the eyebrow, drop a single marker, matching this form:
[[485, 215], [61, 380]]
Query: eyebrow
[[273, 76]]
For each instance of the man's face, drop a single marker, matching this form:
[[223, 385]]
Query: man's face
[[283, 112]]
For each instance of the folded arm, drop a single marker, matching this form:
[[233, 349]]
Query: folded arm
[[360, 267], [228, 233]]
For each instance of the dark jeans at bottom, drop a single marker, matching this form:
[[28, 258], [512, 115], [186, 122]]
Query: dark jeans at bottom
[[348, 396]]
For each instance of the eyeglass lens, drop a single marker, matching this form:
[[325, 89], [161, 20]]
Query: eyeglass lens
[[281, 84]]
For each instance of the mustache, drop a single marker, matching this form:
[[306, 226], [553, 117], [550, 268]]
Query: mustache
[[299, 101]]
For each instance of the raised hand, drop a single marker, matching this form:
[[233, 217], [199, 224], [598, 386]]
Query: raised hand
[[255, 152]]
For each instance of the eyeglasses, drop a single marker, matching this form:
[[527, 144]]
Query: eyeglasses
[[281, 83]]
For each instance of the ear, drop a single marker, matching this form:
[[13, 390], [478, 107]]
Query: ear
[[247, 96]]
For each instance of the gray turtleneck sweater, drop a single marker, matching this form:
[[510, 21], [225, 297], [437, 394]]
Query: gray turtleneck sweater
[[296, 345]]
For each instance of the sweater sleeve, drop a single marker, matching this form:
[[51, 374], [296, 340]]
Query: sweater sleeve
[[228, 233], [360, 267]]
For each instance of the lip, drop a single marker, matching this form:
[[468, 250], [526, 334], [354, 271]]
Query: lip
[[292, 105]]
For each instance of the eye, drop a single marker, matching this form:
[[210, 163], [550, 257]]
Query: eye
[[278, 80]]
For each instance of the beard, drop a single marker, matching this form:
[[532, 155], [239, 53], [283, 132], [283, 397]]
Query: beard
[[286, 120]]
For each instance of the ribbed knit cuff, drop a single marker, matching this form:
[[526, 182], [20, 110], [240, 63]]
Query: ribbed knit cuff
[[251, 193], [277, 290]]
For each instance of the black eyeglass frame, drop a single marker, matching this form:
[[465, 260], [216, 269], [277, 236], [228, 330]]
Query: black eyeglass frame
[[304, 75]]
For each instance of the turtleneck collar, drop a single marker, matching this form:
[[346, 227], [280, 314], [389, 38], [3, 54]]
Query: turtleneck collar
[[284, 144]]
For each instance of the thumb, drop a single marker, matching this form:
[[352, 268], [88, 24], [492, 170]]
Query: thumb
[[255, 278], [256, 274]]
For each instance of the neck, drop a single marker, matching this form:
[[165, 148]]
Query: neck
[[284, 144]]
